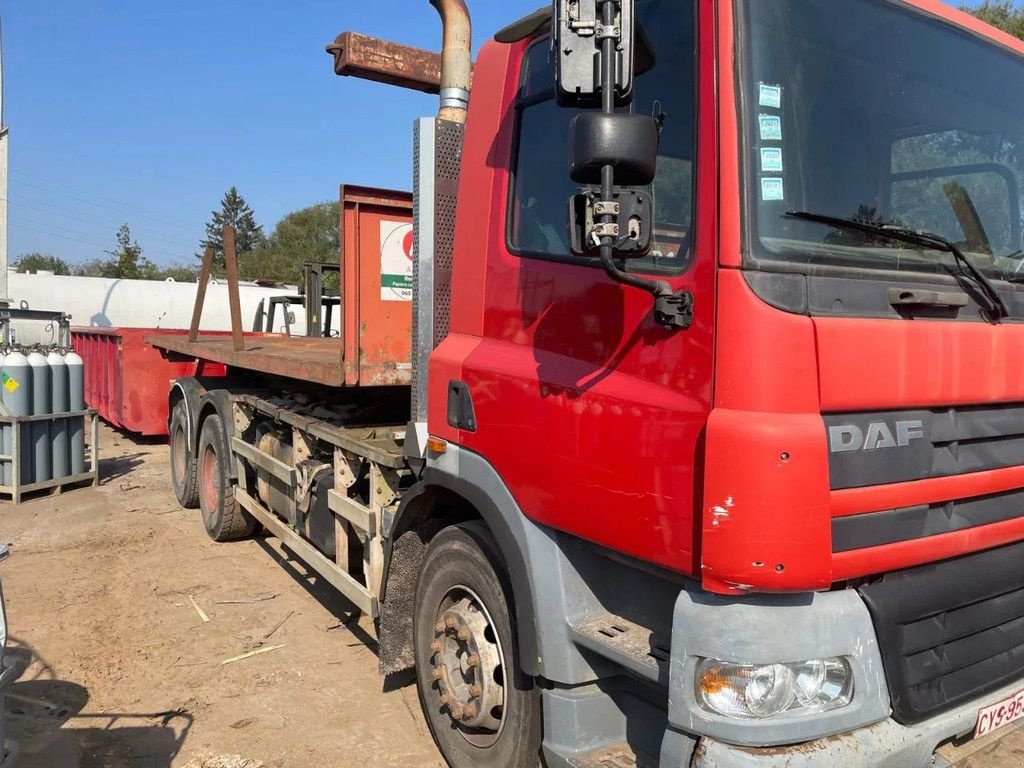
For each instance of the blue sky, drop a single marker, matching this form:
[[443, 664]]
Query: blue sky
[[145, 112]]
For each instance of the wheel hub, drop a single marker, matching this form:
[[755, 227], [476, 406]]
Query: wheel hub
[[468, 667]]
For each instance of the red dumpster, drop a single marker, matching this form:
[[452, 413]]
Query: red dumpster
[[126, 380]]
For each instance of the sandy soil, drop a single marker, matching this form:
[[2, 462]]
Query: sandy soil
[[123, 672]]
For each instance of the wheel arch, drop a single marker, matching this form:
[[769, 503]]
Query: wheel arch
[[438, 501]]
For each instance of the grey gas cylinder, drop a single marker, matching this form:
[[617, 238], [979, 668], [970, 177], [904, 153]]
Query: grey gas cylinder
[[16, 379], [59, 403], [40, 430], [76, 402]]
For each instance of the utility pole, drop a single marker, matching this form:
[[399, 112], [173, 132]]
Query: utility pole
[[4, 296]]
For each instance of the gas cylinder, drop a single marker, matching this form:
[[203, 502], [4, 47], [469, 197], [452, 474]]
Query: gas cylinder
[[16, 379], [76, 402], [40, 430], [5, 433], [59, 404]]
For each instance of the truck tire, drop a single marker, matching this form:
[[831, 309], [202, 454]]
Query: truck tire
[[183, 460], [223, 518], [481, 710]]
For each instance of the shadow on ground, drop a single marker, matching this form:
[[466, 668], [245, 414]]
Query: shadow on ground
[[49, 719]]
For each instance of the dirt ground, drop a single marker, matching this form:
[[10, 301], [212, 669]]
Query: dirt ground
[[124, 672], [106, 591]]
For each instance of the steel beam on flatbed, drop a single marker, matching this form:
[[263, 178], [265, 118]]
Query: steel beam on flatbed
[[382, 61], [311, 556]]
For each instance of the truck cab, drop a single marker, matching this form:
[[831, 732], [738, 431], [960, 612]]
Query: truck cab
[[825, 457]]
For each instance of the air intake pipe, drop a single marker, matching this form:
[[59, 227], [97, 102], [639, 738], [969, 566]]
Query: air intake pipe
[[456, 59]]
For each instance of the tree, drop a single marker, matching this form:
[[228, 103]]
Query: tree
[[42, 262], [308, 235], [235, 211], [127, 262], [1004, 14]]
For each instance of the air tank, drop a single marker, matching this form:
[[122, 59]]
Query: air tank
[[40, 430], [16, 379], [59, 404], [76, 402]]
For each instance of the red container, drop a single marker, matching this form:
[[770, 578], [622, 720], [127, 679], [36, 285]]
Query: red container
[[127, 380]]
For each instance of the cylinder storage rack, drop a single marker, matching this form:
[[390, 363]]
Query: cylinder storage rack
[[43, 418]]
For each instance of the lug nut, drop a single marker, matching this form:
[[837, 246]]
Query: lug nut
[[436, 646], [438, 673], [446, 699], [439, 627], [458, 712], [476, 691], [468, 712], [473, 660], [450, 622], [464, 635]]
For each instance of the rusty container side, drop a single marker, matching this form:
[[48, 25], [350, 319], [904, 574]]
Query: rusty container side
[[376, 267], [127, 380]]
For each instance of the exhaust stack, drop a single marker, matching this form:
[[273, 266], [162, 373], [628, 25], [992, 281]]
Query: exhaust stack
[[456, 59]]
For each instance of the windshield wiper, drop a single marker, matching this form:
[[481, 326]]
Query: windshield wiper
[[996, 308]]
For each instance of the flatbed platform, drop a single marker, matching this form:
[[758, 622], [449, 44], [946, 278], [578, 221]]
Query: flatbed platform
[[318, 361]]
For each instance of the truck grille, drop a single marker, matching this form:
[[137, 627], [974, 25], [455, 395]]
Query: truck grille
[[953, 441], [950, 632]]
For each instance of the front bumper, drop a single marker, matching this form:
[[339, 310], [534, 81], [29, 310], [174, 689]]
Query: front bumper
[[883, 745]]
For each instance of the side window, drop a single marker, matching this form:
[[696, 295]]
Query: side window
[[665, 87]]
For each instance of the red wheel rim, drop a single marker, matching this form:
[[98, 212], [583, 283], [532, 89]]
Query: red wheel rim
[[178, 454], [211, 477]]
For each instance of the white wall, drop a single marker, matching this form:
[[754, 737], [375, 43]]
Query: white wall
[[102, 302]]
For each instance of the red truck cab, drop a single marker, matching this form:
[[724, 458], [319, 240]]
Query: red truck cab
[[834, 441]]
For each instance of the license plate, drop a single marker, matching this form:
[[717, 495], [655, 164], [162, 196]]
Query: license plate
[[1000, 714]]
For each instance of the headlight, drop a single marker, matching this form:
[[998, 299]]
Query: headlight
[[762, 691]]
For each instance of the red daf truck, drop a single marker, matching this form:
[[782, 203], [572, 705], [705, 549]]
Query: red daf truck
[[694, 434]]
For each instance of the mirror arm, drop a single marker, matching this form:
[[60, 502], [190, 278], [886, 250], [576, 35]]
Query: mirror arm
[[671, 309]]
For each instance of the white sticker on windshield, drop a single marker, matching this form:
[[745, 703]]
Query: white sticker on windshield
[[772, 190], [771, 127], [770, 96], [771, 160]]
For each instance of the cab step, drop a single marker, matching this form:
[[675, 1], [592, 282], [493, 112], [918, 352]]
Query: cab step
[[626, 643], [615, 756]]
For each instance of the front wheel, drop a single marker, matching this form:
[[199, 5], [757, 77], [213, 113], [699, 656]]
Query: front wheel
[[224, 519], [481, 710]]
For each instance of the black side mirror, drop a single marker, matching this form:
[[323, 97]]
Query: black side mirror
[[629, 143]]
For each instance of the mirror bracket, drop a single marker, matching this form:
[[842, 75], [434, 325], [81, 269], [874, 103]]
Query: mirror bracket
[[628, 219]]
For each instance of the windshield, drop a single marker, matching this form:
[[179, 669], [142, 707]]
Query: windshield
[[867, 109]]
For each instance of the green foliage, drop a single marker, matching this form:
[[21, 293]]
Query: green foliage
[[127, 262], [309, 235], [1004, 14], [42, 262], [234, 211]]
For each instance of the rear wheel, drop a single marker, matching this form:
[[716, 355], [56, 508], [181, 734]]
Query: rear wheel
[[481, 710], [183, 460], [222, 516]]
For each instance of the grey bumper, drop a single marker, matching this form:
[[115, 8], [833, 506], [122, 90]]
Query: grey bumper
[[884, 745]]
